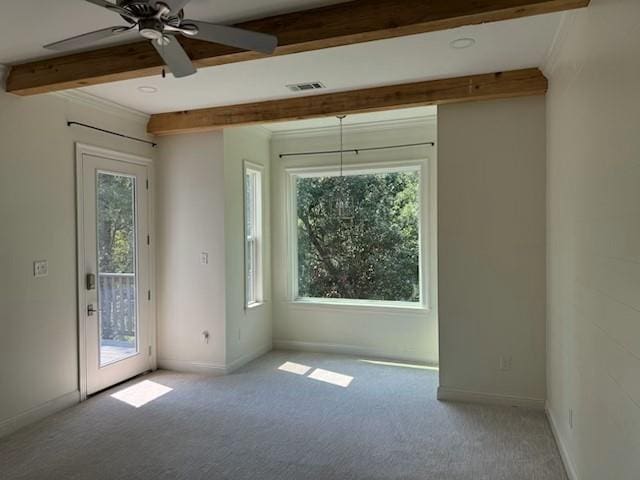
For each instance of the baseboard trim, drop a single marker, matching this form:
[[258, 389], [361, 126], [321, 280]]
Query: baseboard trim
[[191, 367], [569, 466], [352, 350], [35, 414], [456, 395], [249, 357]]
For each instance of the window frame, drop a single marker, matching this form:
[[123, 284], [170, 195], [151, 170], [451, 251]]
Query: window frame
[[422, 167], [256, 170]]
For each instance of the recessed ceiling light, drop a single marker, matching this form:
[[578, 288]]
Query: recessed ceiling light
[[147, 89], [462, 43]]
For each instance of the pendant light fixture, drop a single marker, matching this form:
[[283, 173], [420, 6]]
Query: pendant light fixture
[[344, 204]]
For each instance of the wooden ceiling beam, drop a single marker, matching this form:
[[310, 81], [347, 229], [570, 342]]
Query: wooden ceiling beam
[[344, 23], [434, 92]]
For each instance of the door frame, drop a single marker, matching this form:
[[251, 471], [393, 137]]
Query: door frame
[[81, 150]]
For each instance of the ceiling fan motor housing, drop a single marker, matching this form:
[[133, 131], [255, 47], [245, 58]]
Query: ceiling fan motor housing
[[138, 8], [151, 28], [150, 18], [145, 9]]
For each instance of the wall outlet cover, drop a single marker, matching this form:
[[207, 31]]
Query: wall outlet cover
[[40, 268]]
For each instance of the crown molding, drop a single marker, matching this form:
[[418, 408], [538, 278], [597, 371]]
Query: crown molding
[[106, 106], [426, 120]]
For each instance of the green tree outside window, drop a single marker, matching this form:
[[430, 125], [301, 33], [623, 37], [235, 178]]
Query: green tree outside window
[[373, 256]]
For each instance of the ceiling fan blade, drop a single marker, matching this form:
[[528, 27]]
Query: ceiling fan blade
[[174, 5], [175, 57], [235, 37], [86, 39], [101, 3]]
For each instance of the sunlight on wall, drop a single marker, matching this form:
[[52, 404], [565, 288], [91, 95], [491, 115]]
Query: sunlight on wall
[[141, 393], [402, 365]]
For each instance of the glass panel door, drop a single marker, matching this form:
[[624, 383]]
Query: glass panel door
[[115, 294]]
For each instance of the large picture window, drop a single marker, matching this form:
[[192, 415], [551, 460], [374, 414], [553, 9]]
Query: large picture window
[[358, 235]]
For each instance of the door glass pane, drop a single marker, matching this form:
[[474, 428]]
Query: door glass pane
[[117, 294]]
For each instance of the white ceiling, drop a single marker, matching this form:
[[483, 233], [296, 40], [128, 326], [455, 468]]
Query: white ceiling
[[508, 45], [500, 46]]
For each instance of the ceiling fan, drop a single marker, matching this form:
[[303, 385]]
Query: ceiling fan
[[160, 21]]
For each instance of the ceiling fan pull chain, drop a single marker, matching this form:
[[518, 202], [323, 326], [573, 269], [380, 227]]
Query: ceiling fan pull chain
[[164, 69]]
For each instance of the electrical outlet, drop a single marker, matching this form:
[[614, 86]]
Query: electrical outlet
[[505, 363], [40, 268]]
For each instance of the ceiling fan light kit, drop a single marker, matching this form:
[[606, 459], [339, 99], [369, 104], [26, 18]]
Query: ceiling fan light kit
[[160, 22]]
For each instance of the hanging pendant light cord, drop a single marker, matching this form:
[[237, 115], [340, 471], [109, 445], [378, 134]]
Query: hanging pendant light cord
[[341, 118]]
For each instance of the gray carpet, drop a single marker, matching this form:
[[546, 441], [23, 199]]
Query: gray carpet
[[262, 423]]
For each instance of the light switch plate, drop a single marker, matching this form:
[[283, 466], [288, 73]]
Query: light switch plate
[[505, 363], [204, 258], [40, 268]]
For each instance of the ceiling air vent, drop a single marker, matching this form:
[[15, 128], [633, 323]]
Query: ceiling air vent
[[303, 87]]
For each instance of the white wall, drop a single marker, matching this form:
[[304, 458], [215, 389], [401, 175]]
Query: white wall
[[249, 331], [38, 317], [383, 332], [190, 221], [491, 238], [200, 210], [594, 240]]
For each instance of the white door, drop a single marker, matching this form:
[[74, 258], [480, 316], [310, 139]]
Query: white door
[[114, 268]]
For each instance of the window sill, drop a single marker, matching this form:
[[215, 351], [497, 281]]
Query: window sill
[[363, 306], [251, 306]]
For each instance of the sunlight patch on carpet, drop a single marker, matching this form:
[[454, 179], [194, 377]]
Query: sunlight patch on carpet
[[141, 393], [293, 367], [331, 377]]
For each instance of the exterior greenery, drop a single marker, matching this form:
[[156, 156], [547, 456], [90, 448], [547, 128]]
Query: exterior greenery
[[372, 255], [115, 226], [116, 257]]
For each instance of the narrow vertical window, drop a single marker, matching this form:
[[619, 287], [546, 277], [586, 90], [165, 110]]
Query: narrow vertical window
[[253, 233]]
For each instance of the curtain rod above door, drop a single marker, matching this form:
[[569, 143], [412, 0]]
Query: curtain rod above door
[[357, 150], [109, 132]]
